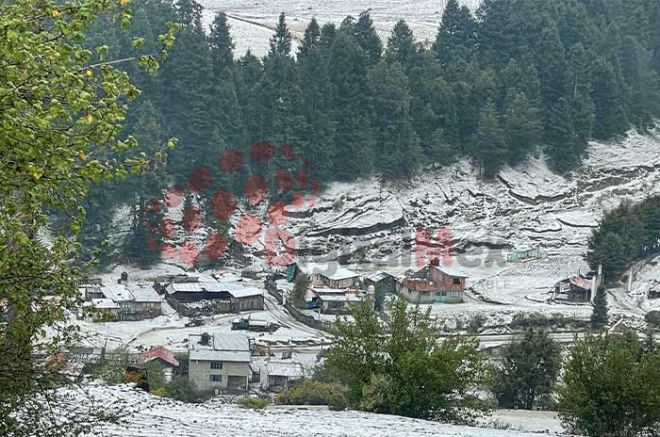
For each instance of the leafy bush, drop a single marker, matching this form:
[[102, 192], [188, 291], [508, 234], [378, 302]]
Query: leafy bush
[[253, 403], [529, 371], [161, 391], [407, 371], [314, 392], [476, 323], [611, 387], [653, 318], [181, 389]]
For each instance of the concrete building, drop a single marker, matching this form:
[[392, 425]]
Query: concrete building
[[219, 362]]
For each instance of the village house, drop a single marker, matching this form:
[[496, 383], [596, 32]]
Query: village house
[[163, 356], [433, 284], [579, 288], [382, 280], [101, 310], [334, 300], [219, 362], [138, 301], [278, 375], [228, 296], [330, 274], [91, 290]]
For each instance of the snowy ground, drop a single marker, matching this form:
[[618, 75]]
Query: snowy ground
[[253, 21], [144, 415], [525, 207]]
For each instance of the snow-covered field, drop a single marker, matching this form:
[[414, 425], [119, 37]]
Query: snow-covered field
[[253, 21], [143, 415]]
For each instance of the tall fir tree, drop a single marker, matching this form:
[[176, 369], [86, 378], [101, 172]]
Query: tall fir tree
[[401, 46], [397, 144], [318, 137], [490, 146], [225, 110], [599, 316], [522, 126], [610, 110], [354, 137], [456, 42]]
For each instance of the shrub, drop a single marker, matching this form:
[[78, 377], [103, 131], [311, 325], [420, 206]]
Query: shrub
[[160, 391], [611, 387], [529, 371], [253, 403], [476, 323], [314, 392], [653, 318], [181, 389]]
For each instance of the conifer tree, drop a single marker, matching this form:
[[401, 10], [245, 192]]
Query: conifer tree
[[354, 137], [610, 111], [366, 37], [401, 46], [318, 136], [522, 126], [221, 44], [599, 317], [224, 108], [490, 147], [397, 144], [455, 42], [280, 43]]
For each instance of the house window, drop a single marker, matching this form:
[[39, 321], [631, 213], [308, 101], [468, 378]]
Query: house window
[[216, 365], [215, 378], [456, 281]]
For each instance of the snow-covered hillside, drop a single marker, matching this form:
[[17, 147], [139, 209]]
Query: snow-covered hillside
[[370, 225], [143, 415], [253, 22]]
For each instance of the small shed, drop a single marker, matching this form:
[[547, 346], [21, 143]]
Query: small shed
[[278, 375], [381, 279]]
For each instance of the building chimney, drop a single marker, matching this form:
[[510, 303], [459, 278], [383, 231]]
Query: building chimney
[[435, 262], [205, 339], [124, 276]]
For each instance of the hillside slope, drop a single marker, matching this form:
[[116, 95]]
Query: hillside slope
[[140, 414]]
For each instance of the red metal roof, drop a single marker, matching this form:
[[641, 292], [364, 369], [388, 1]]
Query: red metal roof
[[163, 354], [585, 284]]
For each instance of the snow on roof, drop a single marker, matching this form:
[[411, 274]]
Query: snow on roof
[[245, 292], [144, 293], [209, 286], [160, 352], [117, 292], [450, 271], [326, 291], [140, 292], [348, 297], [290, 369], [585, 284], [378, 276], [222, 347], [332, 270]]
